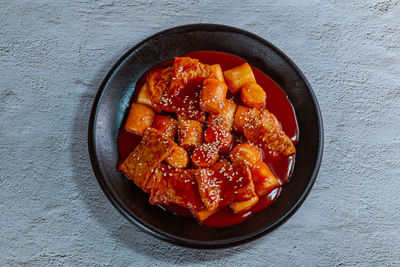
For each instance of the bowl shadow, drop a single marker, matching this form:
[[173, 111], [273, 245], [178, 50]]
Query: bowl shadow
[[101, 209]]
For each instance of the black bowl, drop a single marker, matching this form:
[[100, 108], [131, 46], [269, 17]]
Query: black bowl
[[112, 102]]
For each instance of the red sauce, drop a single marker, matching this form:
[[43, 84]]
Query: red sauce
[[226, 217], [277, 103]]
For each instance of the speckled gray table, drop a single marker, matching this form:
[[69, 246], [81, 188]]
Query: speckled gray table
[[53, 56]]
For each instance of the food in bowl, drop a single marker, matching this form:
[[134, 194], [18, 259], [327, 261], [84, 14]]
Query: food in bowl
[[209, 136]]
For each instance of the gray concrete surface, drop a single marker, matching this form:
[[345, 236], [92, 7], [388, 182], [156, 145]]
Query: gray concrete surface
[[53, 56]]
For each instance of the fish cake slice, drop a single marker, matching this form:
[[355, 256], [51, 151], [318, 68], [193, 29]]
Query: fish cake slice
[[179, 187], [152, 149]]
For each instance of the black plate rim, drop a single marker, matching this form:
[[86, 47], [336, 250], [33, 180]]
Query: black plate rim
[[165, 236]]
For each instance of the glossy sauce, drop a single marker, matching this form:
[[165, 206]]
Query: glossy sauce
[[277, 103]]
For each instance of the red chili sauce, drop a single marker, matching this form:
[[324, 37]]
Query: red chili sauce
[[277, 103]]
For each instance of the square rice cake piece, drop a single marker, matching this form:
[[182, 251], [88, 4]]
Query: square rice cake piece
[[244, 205], [226, 118], [152, 149]]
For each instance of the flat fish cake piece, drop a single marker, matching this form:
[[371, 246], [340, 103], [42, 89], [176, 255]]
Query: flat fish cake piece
[[152, 149], [223, 184], [179, 187], [266, 131]]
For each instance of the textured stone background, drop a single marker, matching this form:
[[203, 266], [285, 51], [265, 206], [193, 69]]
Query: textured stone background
[[53, 56]]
